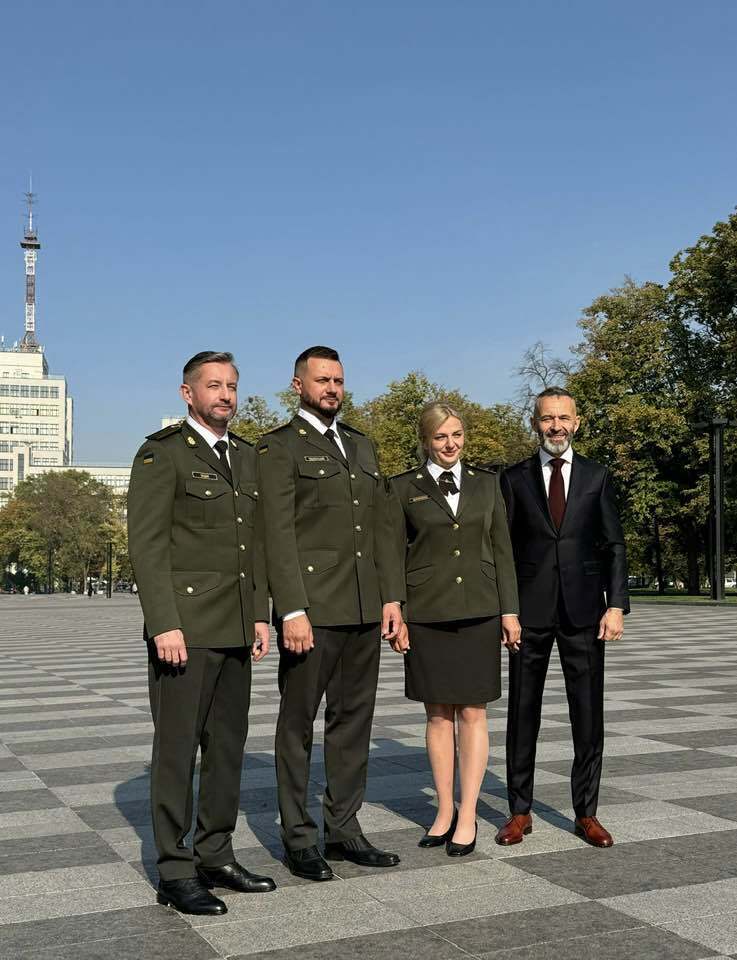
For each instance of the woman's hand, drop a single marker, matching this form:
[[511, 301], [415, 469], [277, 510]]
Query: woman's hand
[[511, 633], [400, 643]]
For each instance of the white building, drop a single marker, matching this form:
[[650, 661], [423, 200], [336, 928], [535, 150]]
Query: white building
[[35, 418]]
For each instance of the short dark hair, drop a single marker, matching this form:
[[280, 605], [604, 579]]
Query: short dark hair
[[206, 356], [322, 353], [551, 392]]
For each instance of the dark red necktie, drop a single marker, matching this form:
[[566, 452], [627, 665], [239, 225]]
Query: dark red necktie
[[557, 492]]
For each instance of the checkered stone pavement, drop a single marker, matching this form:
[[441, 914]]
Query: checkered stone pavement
[[76, 855]]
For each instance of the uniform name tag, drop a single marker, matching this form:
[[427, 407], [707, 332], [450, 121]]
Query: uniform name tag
[[317, 459], [417, 499], [204, 476]]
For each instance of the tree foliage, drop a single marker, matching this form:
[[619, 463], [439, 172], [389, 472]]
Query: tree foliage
[[67, 516]]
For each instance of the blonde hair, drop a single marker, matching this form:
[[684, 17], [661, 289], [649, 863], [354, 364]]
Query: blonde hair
[[432, 416]]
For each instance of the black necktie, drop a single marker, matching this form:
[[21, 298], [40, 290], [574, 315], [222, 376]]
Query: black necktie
[[333, 438], [447, 483], [222, 451], [557, 492]]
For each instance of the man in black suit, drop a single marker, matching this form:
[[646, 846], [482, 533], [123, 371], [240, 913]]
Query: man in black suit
[[571, 566]]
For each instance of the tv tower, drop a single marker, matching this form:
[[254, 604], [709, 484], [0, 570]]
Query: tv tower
[[30, 245]]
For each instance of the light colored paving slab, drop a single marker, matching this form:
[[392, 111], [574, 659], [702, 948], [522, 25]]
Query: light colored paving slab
[[715, 932], [679, 903]]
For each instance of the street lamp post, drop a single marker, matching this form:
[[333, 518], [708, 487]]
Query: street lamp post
[[716, 427], [109, 569]]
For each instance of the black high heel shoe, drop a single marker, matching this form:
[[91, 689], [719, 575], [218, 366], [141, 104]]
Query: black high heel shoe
[[461, 849], [438, 839]]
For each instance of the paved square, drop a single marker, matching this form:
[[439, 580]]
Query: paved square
[[76, 855]]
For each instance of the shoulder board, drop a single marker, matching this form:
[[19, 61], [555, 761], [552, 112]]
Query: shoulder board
[[348, 428], [280, 429], [166, 432], [239, 437], [404, 473], [484, 468]]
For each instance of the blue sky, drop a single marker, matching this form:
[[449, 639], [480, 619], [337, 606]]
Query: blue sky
[[425, 185]]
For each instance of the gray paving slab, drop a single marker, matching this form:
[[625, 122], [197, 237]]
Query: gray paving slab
[[75, 876]]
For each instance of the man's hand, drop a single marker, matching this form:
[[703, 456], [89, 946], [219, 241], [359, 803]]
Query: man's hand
[[297, 634], [261, 642], [400, 644], [171, 648], [611, 626], [511, 632], [391, 621]]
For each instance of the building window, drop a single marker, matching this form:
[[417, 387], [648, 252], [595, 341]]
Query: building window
[[6, 465], [6, 483]]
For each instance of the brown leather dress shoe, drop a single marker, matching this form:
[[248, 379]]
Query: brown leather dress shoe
[[514, 830], [590, 830]]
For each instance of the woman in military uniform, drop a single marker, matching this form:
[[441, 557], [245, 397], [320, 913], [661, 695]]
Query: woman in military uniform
[[461, 607]]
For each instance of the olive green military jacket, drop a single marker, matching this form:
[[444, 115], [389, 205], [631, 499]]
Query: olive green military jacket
[[457, 567], [193, 539], [330, 549]]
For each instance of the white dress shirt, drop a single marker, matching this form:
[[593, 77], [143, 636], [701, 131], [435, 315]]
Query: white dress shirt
[[317, 423], [567, 459], [435, 470], [209, 437]]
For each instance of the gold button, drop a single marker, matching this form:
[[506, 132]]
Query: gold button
[[255, 493], [235, 492], [358, 553], [459, 579], [355, 502], [321, 472], [243, 576], [240, 519], [243, 546], [471, 473], [418, 477], [302, 433], [353, 476], [358, 527], [376, 473], [456, 553], [310, 569], [455, 526], [208, 493], [190, 589]]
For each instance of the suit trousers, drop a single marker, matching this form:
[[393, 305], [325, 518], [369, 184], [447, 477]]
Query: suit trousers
[[344, 665], [582, 660], [205, 706]]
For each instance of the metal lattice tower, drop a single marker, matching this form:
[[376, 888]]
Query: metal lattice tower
[[30, 245]]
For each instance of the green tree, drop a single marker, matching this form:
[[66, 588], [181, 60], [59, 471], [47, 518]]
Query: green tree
[[254, 418], [67, 516], [637, 411]]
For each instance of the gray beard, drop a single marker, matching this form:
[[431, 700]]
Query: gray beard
[[555, 449]]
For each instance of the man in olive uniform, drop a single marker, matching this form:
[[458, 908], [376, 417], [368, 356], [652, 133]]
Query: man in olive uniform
[[337, 584], [197, 555]]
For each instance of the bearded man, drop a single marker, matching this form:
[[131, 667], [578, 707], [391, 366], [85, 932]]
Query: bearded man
[[569, 553], [336, 579]]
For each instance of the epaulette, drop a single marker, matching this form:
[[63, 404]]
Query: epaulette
[[404, 473], [279, 429], [492, 468], [239, 437], [166, 432], [350, 429]]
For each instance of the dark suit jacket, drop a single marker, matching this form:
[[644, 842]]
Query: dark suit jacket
[[330, 547], [194, 540], [458, 567], [587, 556]]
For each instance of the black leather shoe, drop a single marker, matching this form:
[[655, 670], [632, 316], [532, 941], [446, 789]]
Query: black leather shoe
[[438, 839], [308, 863], [189, 896], [359, 850], [235, 877], [462, 849]]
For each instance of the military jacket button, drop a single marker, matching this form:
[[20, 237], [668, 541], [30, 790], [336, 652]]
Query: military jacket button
[[456, 526], [208, 493], [459, 579], [456, 553], [358, 553], [190, 589], [355, 502], [243, 546], [353, 476], [243, 576], [240, 519], [310, 569]]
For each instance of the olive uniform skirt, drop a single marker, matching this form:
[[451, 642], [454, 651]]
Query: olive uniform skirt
[[459, 661]]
